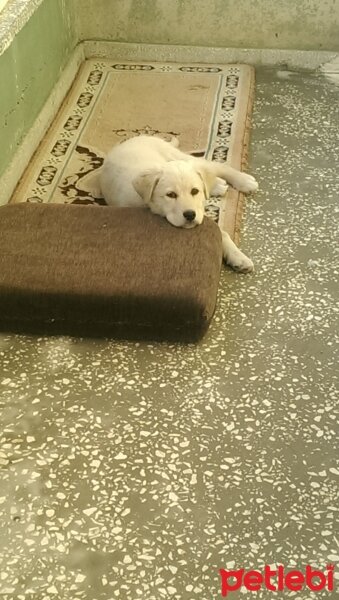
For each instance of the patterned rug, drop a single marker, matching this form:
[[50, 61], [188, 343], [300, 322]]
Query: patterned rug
[[207, 107]]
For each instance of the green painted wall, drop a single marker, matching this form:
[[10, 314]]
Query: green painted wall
[[30, 68], [283, 24]]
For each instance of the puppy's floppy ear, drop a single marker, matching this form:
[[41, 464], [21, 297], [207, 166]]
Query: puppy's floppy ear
[[208, 180], [145, 184]]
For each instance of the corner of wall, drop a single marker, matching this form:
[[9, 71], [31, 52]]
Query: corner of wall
[[38, 39]]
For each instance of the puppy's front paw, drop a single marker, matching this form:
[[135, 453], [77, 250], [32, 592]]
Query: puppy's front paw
[[239, 262], [246, 183]]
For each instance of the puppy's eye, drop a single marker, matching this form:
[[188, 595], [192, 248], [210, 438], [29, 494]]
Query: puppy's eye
[[172, 195], [194, 191]]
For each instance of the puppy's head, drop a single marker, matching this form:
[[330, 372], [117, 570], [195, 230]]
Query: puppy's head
[[176, 191]]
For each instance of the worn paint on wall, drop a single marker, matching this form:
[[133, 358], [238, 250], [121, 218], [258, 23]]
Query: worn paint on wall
[[289, 24], [31, 67]]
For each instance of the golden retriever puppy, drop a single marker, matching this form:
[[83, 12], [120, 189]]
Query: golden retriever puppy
[[149, 171]]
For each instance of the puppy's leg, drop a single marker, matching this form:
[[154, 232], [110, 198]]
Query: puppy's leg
[[234, 257], [240, 181]]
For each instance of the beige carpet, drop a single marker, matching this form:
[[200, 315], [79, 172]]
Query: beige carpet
[[208, 107]]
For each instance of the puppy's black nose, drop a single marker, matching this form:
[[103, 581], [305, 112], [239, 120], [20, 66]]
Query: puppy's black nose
[[189, 215]]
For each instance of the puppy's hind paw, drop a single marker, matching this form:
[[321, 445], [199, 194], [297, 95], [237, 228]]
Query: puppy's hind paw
[[220, 188]]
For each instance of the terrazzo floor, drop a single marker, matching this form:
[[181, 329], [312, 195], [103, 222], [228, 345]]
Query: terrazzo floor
[[139, 470]]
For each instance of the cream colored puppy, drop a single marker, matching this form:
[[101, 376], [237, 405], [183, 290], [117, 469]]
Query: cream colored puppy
[[146, 170]]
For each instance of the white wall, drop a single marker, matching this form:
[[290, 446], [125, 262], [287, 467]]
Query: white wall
[[283, 24]]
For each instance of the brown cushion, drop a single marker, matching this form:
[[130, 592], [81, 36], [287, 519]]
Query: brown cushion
[[102, 271]]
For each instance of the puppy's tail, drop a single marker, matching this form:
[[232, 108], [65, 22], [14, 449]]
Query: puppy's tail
[[174, 141]]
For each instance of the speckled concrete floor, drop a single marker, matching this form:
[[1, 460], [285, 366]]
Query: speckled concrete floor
[[137, 471]]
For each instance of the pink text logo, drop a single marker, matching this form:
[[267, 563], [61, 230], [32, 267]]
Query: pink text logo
[[276, 580]]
